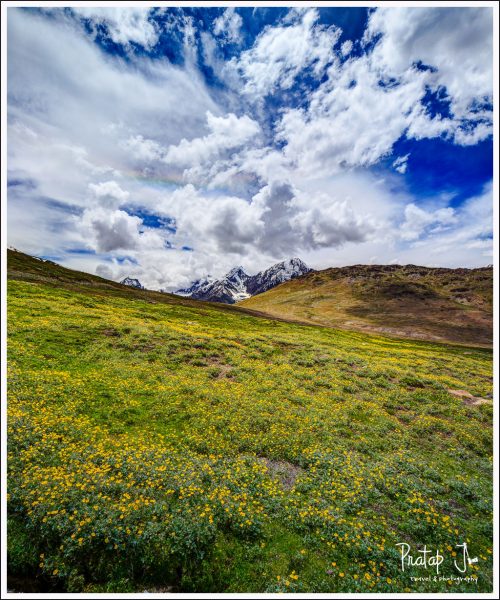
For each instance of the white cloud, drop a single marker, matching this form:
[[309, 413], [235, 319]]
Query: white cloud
[[330, 224], [225, 134], [143, 150], [276, 222], [81, 130], [351, 120], [222, 223], [469, 242], [125, 25], [40, 226], [369, 102], [228, 26], [456, 41], [111, 230], [346, 48], [105, 101], [417, 220], [401, 164], [421, 125], [280, 53], [466, 243], [107, 228], [109, 194], [469, 136]]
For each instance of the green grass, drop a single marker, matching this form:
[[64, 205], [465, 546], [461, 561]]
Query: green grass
[[180, 446]]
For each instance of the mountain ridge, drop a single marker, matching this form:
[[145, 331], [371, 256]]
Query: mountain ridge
[[428, 303], [237, 285], [308, 300]]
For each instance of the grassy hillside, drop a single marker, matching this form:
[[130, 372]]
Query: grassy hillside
[[452, 305], [162, 444]]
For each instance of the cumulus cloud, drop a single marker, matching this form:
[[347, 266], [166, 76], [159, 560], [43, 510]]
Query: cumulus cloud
[[370, 101], [225, 134], [96, 151], [280, 53], [109, 194], [213, 223], [111, 229], [125, 25], [456, 42], [296, 219], [108, 228], [331, 224], [351, 120], [467, 241], [277, 221]]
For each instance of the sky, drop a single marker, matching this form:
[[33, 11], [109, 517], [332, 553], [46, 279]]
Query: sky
[[172, 143]]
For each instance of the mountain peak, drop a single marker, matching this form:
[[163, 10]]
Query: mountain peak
[[297, 261], [131, 282], [237, 285], [278, 273], [236, 272], [293, 264]]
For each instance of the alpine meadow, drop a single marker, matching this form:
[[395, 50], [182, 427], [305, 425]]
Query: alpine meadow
[[250, 302], [168, 444]]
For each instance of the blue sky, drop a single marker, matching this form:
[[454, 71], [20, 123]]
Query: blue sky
[[170, 143]]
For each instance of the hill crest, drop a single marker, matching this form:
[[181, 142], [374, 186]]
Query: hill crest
[[436, 304]]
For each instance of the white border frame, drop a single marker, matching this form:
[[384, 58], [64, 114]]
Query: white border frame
[[3, 276]]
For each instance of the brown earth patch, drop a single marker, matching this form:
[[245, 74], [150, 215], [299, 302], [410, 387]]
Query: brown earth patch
[[468, 398], [111, 332], [225, 370], [285, 471]]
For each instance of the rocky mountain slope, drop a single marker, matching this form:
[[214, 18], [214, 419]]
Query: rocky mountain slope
[[238, 285]]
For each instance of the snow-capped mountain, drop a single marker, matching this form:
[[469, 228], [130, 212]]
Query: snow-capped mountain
[[238, 285], [200, 286], [229, 289], [278, 273], [135, 283]]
